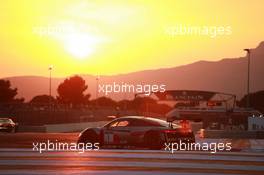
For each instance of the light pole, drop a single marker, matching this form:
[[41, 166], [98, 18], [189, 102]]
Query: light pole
[[248, 76], [96, 94], [50, 69]]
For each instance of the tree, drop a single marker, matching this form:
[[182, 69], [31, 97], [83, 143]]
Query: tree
[[256, 101], [42, 100], [148, 104], [140, 103], [7, 94], [104, 101], [71, 91]]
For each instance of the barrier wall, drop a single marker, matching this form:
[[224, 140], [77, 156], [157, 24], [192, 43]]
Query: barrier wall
[[72, 127]]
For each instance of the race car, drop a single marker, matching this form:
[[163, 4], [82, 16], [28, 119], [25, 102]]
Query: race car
[[7, 124], [136, 131]]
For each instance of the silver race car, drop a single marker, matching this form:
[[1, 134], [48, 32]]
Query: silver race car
[[7, 124], [136, 131]]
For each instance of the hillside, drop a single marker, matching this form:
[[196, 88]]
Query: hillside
[[227, 75]]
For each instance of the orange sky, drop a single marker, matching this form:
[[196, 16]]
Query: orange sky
[[103, 37]]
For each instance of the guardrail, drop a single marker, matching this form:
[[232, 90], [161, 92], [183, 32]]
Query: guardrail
[[233, 134], [65, 127]]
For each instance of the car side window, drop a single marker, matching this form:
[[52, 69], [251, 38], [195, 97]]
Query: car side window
[[123, 123]]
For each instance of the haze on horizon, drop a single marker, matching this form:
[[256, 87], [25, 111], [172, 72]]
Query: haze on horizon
[[119, 37]]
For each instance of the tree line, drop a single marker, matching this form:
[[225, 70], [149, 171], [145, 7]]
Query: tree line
[[71, 92]]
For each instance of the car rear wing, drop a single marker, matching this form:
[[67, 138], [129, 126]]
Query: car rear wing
[[171, 119]]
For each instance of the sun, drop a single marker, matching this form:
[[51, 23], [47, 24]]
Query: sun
[[80, 45], [76, 41]]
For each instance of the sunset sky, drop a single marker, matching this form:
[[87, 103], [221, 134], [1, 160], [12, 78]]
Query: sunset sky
[[113, 37]]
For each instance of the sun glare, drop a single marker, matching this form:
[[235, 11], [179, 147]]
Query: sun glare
[[80, 45], [77, 41]]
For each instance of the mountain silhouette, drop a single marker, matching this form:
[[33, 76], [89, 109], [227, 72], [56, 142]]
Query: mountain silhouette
[[228, 75]]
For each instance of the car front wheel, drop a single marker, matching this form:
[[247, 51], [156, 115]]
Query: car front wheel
[[88, 136]]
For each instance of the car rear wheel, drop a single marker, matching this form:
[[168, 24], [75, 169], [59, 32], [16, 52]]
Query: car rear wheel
[[152, 140]]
